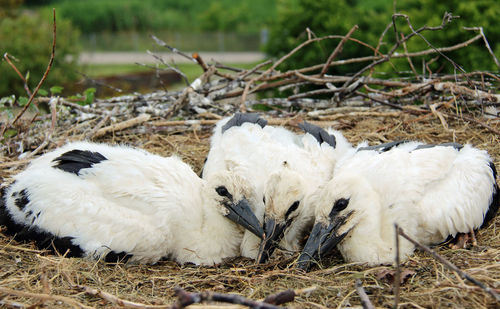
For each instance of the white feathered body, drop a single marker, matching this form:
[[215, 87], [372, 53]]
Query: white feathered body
[[431, 193], [257, 152], [146, 205]]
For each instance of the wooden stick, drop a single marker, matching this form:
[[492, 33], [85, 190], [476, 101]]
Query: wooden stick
[[49, 66], [117, 301], [337, 50], [397, 276], [42, 296], [188, 298], [123, 125], [450, 266], [365, 301], [26, 87]]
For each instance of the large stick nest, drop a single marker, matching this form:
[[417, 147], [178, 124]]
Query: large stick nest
[[459, 108]]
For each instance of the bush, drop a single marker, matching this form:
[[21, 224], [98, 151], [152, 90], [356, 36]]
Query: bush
[[28, 38], [326, 17], [186, 15]]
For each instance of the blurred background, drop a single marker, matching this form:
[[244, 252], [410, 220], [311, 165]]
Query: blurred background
[[100, 41]]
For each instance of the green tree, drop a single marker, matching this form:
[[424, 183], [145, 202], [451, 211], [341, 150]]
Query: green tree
[[324, 17], [28, 38], [480, 13]]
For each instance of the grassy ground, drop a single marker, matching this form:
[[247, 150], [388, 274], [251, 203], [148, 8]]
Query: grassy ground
[[192, 71]]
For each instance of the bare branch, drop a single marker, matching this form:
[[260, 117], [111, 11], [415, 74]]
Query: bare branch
[[49, 66], [172, 49], [365, 301], [450, 266]]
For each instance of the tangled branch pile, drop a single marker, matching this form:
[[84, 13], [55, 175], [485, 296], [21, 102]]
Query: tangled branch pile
[[460, 107]]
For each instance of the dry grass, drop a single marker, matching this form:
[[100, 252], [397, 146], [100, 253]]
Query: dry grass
[[22, 268]]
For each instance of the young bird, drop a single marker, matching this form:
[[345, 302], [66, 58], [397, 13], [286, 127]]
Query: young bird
[[283, 166], [118, 203], [431, 191]]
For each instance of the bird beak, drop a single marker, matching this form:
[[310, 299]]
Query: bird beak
[[273, 234], [322, 240], [241, 214]]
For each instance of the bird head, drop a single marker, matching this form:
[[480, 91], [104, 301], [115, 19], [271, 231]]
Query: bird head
[[284, 203], [236, 200], [340, 206]]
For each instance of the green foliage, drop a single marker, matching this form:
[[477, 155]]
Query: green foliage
[[28, 38], [481, 13], [324, 17], [247, 16], [86, 98]]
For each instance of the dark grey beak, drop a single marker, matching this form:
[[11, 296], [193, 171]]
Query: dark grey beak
[[322, 240], [241, 214], [273, 235]]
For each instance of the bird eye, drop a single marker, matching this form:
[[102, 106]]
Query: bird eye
[[292, 208], [340, 204], [222, 191], [264, 199]]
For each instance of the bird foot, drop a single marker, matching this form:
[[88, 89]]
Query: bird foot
[[464, 241]]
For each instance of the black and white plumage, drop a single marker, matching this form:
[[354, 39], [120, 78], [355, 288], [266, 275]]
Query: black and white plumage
[[283, 166], [432, 192], [116, 202]]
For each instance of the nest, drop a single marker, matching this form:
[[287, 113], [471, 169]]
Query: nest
[[456, 108]]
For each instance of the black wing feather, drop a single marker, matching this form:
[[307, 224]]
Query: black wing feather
[[493, 208], [319, 133], [383, 147], [75, 160], [240, 118], [457, 146]]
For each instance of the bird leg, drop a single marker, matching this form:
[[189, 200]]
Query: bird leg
[[464, 240]]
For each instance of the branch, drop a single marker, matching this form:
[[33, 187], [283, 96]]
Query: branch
[[123, 125], [49, 66], [481, 32], [6, 56], [43, 296], [116, 300], [172, 49], [187, 298], [337, 50], [365, 301], [450, 266]]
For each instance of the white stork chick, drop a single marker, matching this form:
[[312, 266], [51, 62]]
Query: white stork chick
[[119, 203], [432, 192], [283, 166]]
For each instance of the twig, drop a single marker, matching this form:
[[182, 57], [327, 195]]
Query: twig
[[179, 103], [337, 50], [187, 298], [365, 301], [48, 137], [397, 275], [123, 125], [42, 296], [255, 69], [450, 266], [12, 304], [115, 300], [446, 19], [480, 29], [484, 125], [49, 66], [412, 67], [287, 296], [26, 88], [91, 133], [172, 49], [171, 67]]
